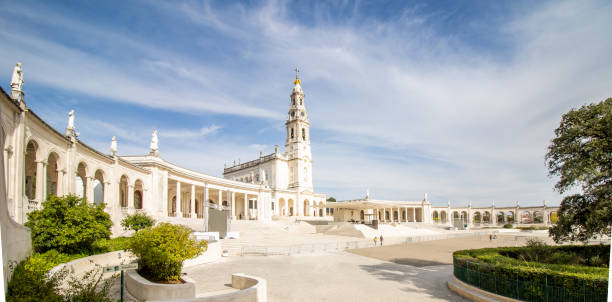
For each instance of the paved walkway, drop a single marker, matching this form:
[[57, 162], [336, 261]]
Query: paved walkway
[[334, 276], [438, 252]]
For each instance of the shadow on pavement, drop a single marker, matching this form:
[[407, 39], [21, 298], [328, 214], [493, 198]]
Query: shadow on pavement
[[430, 280], [416, 262]]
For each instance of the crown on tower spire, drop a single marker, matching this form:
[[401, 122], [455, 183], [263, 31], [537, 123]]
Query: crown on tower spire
[[297, 79]]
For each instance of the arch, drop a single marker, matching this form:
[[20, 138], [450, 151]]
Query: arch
[[510, 217], [123, 191], [538, 217], [553, 217], [52, 176], [486, 217], [98, 186], [307, 208], [464, 217], [443, 217], [138, 195], [435, 216], [282, 207], [30, 169], [291, 208], [81, 180], [501, 217], [477, 217], [526, 217]]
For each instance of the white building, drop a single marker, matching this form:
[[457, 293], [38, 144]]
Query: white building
[[39, 161]]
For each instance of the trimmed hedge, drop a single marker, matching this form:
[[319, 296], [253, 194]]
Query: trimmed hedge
[[498, 270]]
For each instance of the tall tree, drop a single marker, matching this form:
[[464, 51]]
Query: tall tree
[[581, 155]]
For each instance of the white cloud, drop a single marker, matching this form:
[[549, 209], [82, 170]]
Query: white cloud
[[401, 108]]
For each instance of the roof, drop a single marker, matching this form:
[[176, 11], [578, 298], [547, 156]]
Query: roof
[[371, 203]]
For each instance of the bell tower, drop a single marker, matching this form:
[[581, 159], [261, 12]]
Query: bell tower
[[297, 144]]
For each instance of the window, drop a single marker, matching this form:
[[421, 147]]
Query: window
[[292, 133], [272, 206], [292, 113], [293, 102], [303, 134], [301, 101]]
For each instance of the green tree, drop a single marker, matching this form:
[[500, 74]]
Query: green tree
[[162, 249], [581, 155], [137, 222], [68, 224], [331, 199]]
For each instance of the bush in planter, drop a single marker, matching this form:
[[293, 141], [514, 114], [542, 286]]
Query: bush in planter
[[68, 224], [137, 222], [162, 249], [507, 226]]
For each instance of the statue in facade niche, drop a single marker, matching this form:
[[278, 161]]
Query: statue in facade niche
[[113, 146], [154, 142], [17, 79]]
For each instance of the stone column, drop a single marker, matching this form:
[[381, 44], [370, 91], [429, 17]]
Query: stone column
[[233, 201], [60, 183], [45, 182], [406, 216], [413, 214], [192, 204], [38, 193], [179, 210], [246, 206], [90, 189], [130, 196], [205, 207]]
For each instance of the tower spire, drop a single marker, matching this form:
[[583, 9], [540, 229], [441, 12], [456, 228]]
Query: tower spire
[[297, 78]]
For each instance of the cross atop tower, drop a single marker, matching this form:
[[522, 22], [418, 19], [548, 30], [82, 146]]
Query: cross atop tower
[[297, 79]]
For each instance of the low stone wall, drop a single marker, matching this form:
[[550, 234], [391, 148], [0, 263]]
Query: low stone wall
[[249, 289], [143, 289], [212, 254], [82, 265]]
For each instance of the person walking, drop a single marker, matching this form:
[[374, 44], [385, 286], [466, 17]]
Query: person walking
[[375, 240], [381, 240]]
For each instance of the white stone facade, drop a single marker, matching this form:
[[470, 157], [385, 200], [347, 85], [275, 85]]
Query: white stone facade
[[39, 161]]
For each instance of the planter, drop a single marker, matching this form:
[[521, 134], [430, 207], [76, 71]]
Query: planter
[[143, 289]]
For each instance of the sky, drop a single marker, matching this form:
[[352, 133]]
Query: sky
[[457, 99]]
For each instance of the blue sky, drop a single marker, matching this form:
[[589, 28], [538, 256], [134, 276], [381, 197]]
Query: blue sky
[[458, 99]]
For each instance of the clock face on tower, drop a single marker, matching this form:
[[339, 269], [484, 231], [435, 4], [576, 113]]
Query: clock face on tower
[[302, 113]]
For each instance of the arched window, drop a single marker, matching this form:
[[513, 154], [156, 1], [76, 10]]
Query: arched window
[[301, 101], [303, 134], [292, 135]]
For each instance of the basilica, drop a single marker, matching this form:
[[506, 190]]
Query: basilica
[[40, 160]]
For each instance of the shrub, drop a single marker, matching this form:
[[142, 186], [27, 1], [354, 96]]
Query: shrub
[[137, 222], [110, 245], [511, 272], [68, 224], [162, 249], [30, 283], [507, 226]]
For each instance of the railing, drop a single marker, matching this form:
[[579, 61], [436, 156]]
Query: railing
[[172, 214], [186, 215], [525, 290], [339, 245]]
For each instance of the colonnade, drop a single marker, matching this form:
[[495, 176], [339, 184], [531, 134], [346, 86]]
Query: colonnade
[[195, 199]]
